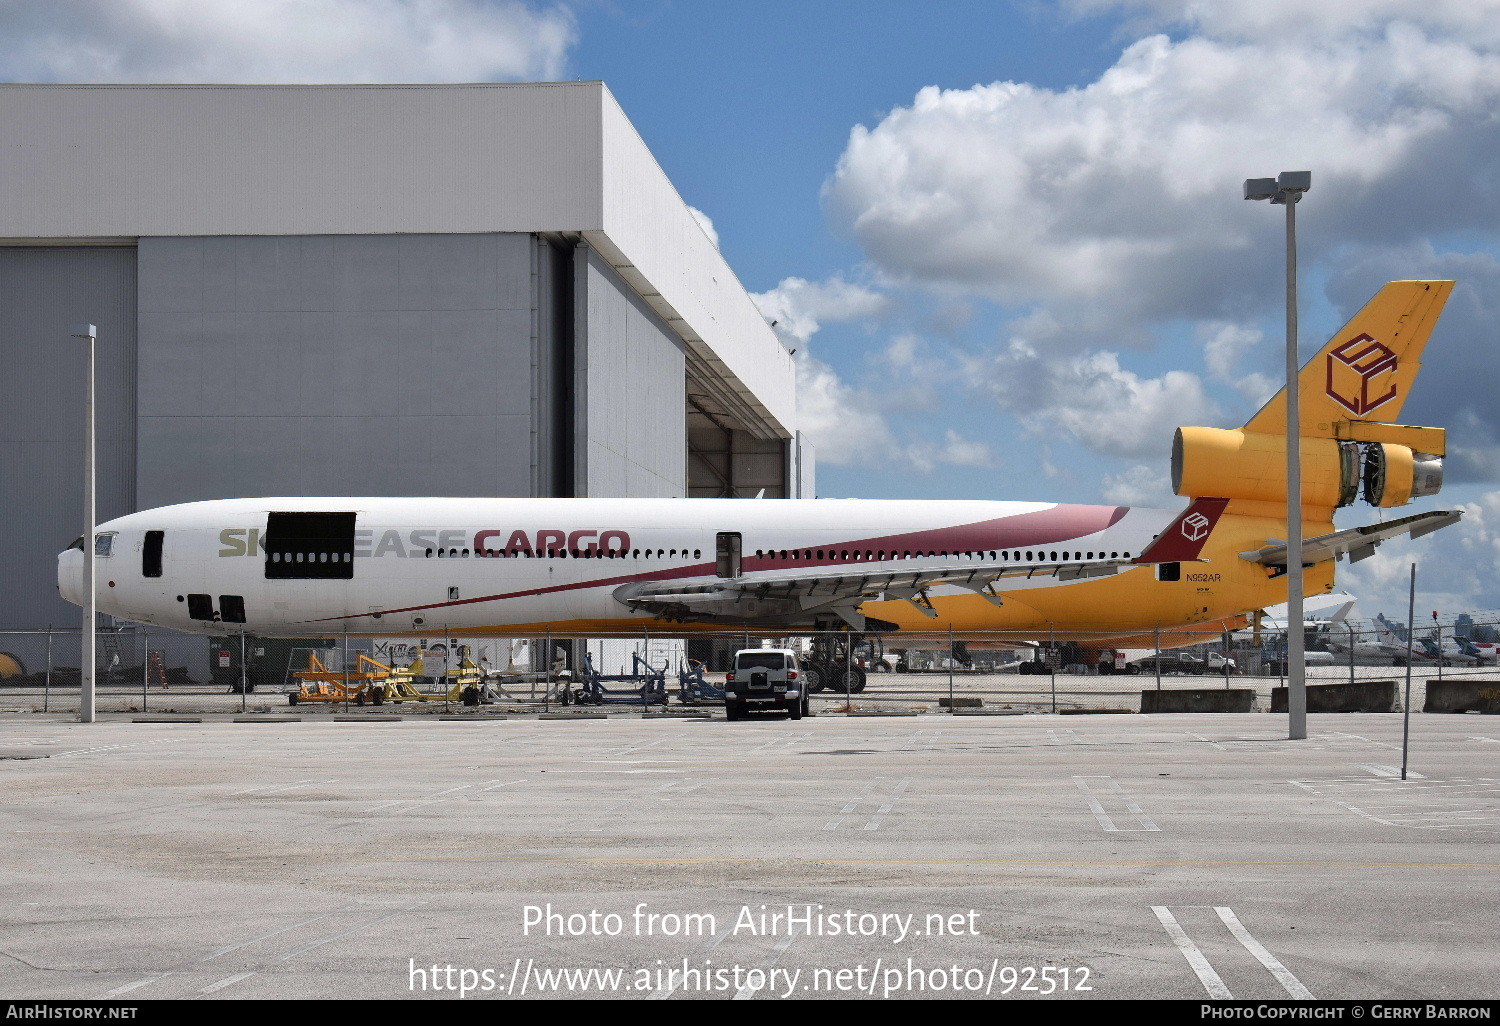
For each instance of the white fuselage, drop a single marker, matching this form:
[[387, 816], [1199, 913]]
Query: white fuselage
[[411, 565]]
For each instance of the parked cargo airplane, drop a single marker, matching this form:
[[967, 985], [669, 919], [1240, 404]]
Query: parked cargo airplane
[[1106, 576]]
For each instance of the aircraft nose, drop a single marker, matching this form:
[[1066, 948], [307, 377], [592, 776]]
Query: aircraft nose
[[70, 575]]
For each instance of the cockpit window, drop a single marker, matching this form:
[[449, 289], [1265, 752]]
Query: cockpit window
[[104, 544], [77, 544]]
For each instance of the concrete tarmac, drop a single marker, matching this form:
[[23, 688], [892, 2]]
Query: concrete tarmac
[[1036, 856]]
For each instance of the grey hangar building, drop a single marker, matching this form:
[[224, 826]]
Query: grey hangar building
[[434, 290]]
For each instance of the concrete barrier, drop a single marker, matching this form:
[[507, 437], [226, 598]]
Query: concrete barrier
[[1357, 696], [1198, 700], [1460, 696]]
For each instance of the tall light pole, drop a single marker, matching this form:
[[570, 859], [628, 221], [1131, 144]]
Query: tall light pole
[[90, 614], [1286, 189]]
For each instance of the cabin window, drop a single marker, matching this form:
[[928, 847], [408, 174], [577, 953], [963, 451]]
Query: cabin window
[[310, 546], [727, 554]]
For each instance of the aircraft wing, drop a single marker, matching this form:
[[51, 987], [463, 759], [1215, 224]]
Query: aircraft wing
[[1356, 543], [800, 594]]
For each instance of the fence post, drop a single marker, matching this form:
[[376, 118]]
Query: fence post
[[47, 684], [1157, 660], [951, 660], [848, 690], [145, 666], [1351, 653], [244, 675], [1052, 660], [1224, 651]]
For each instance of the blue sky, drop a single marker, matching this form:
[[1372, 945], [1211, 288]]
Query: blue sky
[[1006, 239]]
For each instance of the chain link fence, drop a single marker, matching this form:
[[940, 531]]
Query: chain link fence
[[140, 670]]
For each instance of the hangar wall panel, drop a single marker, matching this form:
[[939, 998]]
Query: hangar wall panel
[[346, 365], [46, 290], [632, 382], [646, 218], [154, 160]]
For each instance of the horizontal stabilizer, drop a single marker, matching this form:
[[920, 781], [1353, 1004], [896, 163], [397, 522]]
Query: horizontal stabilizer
[[1184, 537], [1356, 543]]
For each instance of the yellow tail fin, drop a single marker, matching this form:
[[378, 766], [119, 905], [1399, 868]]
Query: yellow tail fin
[[1366, 372]]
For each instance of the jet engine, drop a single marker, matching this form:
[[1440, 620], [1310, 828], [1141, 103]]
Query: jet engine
[[1239, 464]]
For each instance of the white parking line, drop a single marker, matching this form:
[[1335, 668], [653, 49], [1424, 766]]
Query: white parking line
[[1392, 771], [1210, 979], [874, 823], [258, 791], [138, 983], [1200, 966], [1094, 788], [1283, 975], [748, 991], [227, 981], [663, 992], [339, 936], [833, 824], [116, 748]]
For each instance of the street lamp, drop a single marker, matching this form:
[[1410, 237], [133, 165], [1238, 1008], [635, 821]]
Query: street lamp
[[1286, 189], [86, 670]]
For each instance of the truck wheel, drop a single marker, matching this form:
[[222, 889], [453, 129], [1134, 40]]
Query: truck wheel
[[733, 711], [857, 684], [291, 699], [794, 709]]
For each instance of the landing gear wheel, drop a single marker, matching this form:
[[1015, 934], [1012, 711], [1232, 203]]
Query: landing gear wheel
[[850, 680], [814, 677]]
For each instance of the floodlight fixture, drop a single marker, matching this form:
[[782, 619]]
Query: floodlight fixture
[[1260, 188]]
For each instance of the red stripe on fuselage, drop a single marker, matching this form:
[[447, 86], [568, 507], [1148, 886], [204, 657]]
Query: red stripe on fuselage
[[1061, 523]]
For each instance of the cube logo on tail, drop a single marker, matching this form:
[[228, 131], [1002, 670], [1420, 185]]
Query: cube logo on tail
[[1184, 537], [1359, 375], [1195, 526]]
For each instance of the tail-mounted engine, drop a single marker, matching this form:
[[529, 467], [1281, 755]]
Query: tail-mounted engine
[[1239, 464]]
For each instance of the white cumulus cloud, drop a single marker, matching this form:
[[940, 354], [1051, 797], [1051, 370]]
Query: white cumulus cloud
[[707, 224], [283, 40], [1116, 204], [1103, 406], [800, 307]]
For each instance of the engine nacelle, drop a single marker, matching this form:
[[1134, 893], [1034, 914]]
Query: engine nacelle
[[1238, 464], [1252, 465], [1394, 474]]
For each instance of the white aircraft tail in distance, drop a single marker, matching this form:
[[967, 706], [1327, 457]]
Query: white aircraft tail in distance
[[1105, 576]]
